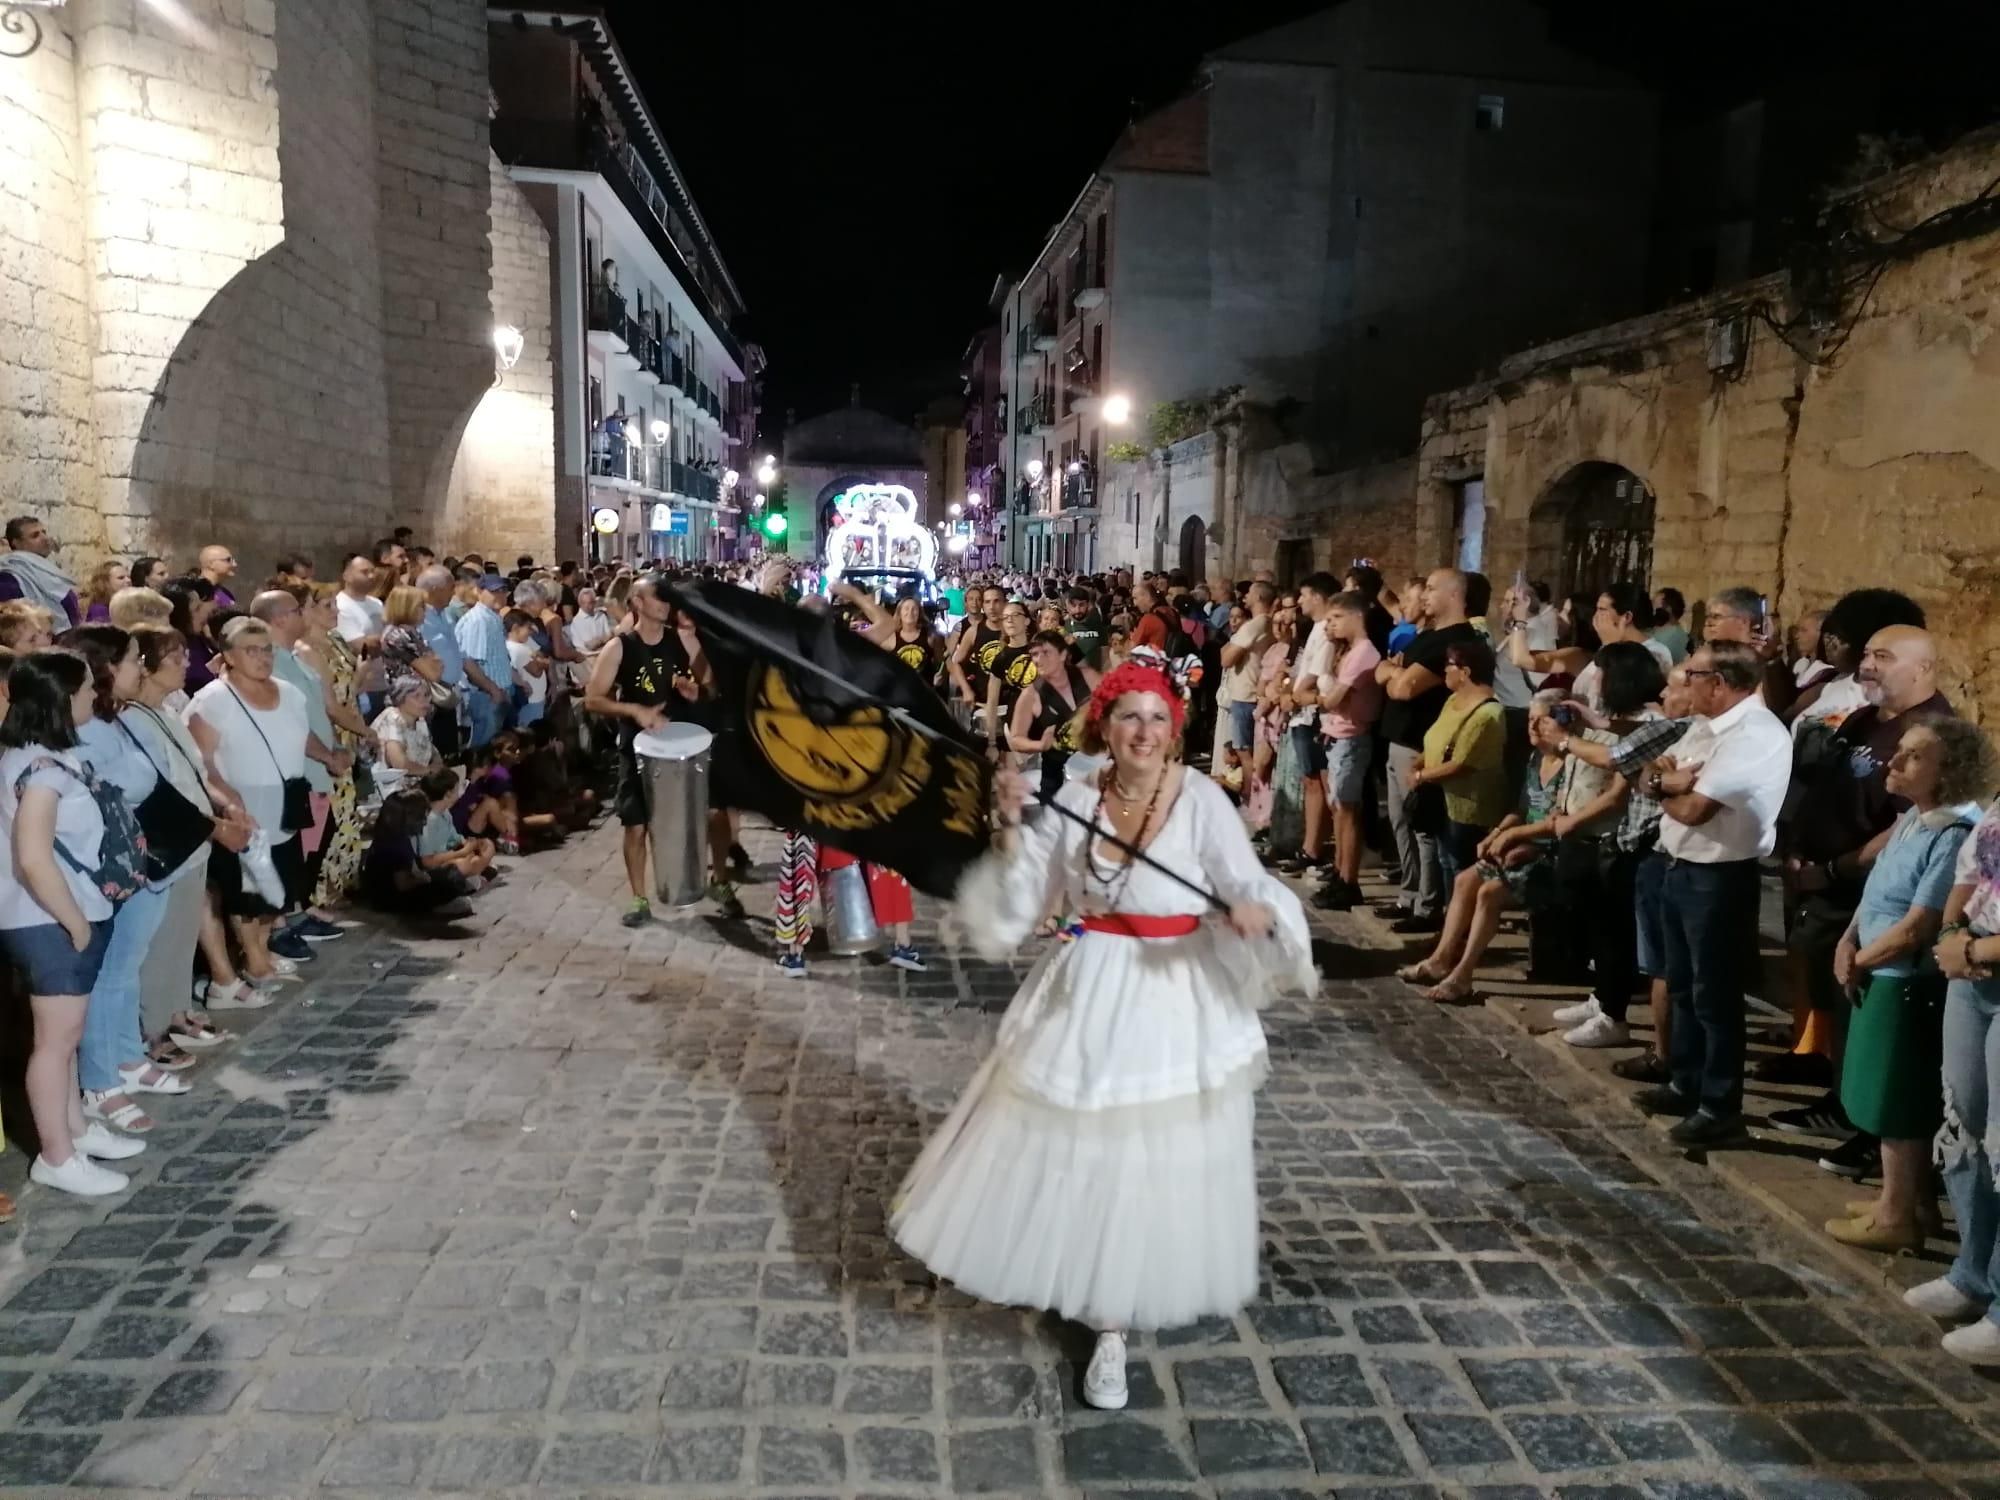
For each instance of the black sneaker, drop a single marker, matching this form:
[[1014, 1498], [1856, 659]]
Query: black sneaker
[[1335, 895], [288, 944], [1418, 923], [1801, 1069], [1645, 1068], [1704, 1131], [1823, 1116], [1664, 1101], [1858, 1157], [1296, 864]]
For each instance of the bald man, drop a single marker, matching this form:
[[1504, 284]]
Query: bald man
[[1838, 821], [218, 565]]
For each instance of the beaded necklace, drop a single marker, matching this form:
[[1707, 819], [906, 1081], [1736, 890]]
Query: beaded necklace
[[1114, 881]]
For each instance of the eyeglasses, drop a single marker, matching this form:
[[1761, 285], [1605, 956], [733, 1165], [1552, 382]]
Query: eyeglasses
[[1690, 673]]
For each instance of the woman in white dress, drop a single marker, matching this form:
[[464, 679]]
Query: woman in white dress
[[1100, 1163]]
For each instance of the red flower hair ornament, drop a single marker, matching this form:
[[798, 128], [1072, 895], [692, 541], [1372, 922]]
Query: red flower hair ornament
[[1147, 670]]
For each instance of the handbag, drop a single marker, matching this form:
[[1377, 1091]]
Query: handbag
[[297, 813], [121, 850], [175, 827], [1426, 809]]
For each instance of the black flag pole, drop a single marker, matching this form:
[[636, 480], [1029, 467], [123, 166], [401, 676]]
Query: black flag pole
[[695, 604]]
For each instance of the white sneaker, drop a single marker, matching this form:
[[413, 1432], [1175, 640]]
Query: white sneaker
[[79, 1175], [1975, 1343], [1942, 1300], [1577, 1014], [1599, 1031], [1104, 1381], [104, 1143], [238, 994]]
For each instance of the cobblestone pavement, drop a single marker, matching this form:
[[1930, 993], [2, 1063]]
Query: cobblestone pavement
[[569, 1210]]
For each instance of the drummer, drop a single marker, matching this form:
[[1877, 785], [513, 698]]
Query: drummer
[[647, 677]]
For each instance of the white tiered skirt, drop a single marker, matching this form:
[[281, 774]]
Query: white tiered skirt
[[1141, 1216]]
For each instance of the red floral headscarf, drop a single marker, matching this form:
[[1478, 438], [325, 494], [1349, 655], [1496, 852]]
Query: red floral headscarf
[[1144, 671]]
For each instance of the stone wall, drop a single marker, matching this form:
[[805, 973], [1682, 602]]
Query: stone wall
[[46, 462], [244, 272], [1801, 480], [501, 489]]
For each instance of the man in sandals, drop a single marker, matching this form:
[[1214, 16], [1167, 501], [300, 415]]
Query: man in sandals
[[646, 677]]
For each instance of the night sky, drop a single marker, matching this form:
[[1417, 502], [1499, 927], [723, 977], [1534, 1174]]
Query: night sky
[[867, 179]]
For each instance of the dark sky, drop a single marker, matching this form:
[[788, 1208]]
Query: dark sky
[[869, 170]]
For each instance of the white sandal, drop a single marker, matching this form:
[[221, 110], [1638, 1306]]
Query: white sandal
[[145, 1078], [195, 1032], [127, 1117]]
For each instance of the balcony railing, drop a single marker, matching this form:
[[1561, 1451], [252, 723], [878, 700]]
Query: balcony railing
[[1043, 327], [676, 375], [1079, 490], [607, 311]]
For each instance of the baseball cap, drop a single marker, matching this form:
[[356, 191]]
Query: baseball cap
[[493, 582]]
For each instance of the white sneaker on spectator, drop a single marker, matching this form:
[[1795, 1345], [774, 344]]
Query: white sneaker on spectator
[[79, 1175], [1975, 1343], [104, 1143], [238, 994], [1577, 1014], [1599, 1031], [1942, 1300], [1104, 1381]]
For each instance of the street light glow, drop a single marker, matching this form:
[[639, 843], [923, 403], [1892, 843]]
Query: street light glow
[[956, 508], [767, 473], [972, 497], [1117, 410], [660, 430], [1034, 468]]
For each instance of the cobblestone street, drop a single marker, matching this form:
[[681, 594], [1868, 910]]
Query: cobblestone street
[[564, 1209]]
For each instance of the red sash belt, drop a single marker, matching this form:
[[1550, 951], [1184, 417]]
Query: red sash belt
[[1132, 924]]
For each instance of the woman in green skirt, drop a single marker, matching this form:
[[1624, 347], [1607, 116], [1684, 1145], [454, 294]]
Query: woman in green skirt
[[1889, 1083]]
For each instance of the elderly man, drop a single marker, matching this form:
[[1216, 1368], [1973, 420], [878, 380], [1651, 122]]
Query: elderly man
[[447, 728], [1835, 827], [217, 564], [482, 641], [1719, 798], [26, 572], [1413, 680], [279, 610]]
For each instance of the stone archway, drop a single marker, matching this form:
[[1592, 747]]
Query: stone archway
[[1194, 549], [1592, 527]]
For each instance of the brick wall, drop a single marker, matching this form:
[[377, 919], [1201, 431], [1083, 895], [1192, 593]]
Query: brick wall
[[500, 501], [1881, 467], [244, 272], [432, 173], [46, 466]]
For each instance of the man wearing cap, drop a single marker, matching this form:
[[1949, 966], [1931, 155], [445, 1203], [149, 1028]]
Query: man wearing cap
[[483, 640]]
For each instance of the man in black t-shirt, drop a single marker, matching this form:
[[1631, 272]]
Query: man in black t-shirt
[[1414, 687]]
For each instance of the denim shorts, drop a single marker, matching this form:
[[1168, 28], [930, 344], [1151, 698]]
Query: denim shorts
[[1646, 911], [1243, 725], [48, 962], [1310, 749], [1347, 763]]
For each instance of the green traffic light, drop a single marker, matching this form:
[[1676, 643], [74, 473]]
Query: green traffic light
[[774, 525]]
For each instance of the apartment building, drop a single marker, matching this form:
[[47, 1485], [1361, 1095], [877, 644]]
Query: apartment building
[[653, 391]]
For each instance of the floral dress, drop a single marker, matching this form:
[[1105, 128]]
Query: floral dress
[[341, 869]]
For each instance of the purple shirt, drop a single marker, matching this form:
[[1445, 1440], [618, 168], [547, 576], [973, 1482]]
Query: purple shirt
[[10, 588]]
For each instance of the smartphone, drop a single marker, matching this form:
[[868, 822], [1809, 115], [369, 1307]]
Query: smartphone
[[1763, 615]]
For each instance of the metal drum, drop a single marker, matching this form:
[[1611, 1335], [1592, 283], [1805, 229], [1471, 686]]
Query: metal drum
[[850, 911], [673, 761]]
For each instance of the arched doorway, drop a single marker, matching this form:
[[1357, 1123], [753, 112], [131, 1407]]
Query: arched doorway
[[1194, 549], [1593, 527]]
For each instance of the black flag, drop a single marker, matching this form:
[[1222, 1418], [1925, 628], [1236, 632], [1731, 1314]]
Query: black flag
[[823, 732]]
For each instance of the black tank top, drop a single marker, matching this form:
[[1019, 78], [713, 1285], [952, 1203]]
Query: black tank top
[[646, 675], [916, 655], [1059, 716], [979, 660], [1016, 669]]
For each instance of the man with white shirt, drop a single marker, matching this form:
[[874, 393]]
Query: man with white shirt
[[358, 619], [1719, 796]]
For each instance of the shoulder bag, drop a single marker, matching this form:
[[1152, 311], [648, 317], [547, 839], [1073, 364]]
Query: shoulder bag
[[297, 814], [175, 826], [1427, 815]]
